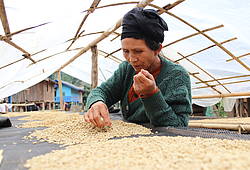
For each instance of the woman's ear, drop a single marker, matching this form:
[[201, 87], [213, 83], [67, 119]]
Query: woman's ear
[[158, 50]]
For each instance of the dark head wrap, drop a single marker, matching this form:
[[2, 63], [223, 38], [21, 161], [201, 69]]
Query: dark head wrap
[[143, 23]]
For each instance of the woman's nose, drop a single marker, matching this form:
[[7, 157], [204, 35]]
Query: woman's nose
[[132, 58]]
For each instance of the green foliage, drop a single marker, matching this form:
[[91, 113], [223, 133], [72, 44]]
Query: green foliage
[[220, 109], [71, 80]]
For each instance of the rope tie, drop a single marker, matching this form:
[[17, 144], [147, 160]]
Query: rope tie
[[91, 9], [241, 128], [3, 38], [26, 55]]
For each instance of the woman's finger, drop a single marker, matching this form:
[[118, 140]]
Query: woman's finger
[[91, 116], [147, 74], [105, 115], [97, 118], [86, 118]]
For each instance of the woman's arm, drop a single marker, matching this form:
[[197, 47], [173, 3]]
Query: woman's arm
[[171, 105]]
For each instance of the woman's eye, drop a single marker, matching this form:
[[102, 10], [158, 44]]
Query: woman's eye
[[138, 51]]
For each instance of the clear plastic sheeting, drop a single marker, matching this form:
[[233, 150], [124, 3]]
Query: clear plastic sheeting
[[228, 104], [212, 69]]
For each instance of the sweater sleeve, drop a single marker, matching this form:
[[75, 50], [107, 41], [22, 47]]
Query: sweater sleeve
[[172, 105], [110, 91]]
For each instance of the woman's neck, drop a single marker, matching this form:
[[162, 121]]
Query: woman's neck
[[155, 65]]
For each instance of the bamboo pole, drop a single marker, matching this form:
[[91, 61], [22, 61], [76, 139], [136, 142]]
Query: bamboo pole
[[50, 56], [225, 78], [38, 52], [112, 52], [194, 75], [4, 19], [117, 60], [199, 51], [55, 54], [110, 56], [94, 71], [92, 33], [11, 63], [25, 29], [239, 94], [21, 59], [192, 35], [214, 85], [118, 35], [227, 123], [102, 74], [26, 54], [243, 55], [142, 3], [22, 81], [116, 4], [205, 35], [205, 73], [90, 10], [237, 127], [60, 90], [162, 54], [169, 6]]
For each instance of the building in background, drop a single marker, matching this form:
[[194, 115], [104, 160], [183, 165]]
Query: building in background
[[72, 96], [38, 97]]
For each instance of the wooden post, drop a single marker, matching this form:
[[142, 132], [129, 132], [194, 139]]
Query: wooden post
[[60, 90], [43, 106], [94, 72], [80, 101], [3, 18], [244, 107], [248, 107], [49, 105], [237, 108], [241, 108]]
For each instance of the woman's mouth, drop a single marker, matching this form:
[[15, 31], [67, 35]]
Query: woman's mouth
[[137, 68]]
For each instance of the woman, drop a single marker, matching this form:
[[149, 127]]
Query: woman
[[151, 89]]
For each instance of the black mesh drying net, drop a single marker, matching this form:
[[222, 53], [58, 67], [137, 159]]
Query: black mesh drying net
[[200, 132], [193, 132], [188, 132]]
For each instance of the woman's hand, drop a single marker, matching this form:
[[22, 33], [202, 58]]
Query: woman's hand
[[144, 83], [98, 115]]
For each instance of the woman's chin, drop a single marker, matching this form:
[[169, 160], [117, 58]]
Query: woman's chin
[[137, 69]]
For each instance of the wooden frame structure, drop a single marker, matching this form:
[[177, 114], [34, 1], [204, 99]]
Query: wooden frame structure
[[7, 37], [103, 34]]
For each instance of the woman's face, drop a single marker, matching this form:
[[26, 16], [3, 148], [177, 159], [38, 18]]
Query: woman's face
[[139, 55]]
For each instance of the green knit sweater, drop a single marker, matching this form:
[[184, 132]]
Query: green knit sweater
[[170, 106]]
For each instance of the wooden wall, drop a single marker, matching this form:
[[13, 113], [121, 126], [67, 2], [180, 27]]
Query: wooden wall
[[241, 108], [41, 92]]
